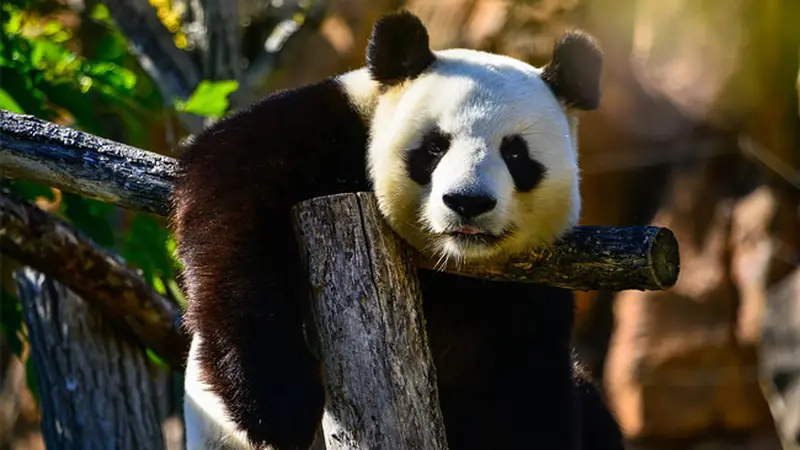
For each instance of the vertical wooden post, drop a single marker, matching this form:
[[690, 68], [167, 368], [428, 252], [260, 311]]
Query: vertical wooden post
[[366, 300]]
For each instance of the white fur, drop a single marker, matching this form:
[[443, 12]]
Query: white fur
[[206, 418], [478, 98]]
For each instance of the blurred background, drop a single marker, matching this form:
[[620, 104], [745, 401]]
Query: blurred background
[[697, 131]]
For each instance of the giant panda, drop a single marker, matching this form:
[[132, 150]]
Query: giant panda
[[471, 156]]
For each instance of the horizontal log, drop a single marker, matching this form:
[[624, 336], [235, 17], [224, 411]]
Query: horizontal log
[[588, 258], [87, 165]]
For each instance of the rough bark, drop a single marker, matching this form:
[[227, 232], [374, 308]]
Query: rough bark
[[380, 380], [85, 164], [42, 241], [216, 31], [591, 257], [97, 390]]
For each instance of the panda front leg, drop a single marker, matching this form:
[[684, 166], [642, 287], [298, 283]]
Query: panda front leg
[[536, 368], [249, 352], [503, 363]]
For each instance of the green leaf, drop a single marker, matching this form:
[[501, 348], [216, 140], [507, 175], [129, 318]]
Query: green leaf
[[145, 247], [26, 93], [115, 76], [45, 53], [13, 24], [30, 191], [210, 99], [175, 290], [100, 13], [11, 321], [155, 358], [30, 377], [8, 103], [91, 217]]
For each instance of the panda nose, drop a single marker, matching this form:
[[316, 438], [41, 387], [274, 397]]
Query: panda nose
[[469, 206]]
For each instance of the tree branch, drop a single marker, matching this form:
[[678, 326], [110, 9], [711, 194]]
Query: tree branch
[[217, 27], [173, 70], [42, 241], [85, 164], [283, 35], [589, 258]]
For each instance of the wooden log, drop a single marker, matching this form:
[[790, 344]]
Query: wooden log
[[366, 303], [98, 390], [42, 241], [85, 164], [644, 258], [588, 258]]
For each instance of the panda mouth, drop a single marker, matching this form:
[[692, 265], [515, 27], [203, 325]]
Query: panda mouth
[[474, 235]]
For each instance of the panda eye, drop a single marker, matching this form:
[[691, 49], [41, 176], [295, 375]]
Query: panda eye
[[436, 144], [513, 147], [422, 160], [526, 172]]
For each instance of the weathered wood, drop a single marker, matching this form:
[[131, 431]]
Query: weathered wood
[[98, 390], [590, 258], [85, 164], [644, 258], [380, 380], [42, 241]]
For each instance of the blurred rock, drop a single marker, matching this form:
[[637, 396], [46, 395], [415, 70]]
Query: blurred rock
[[676, 365]]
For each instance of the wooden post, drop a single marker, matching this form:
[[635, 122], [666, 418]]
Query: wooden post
[[380, 379]]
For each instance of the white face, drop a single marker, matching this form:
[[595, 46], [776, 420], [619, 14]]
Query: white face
[[456, 158]]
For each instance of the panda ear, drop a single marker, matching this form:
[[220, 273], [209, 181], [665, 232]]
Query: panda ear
[[398, 49], [574, 72]]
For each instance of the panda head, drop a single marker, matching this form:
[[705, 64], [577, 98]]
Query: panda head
[[472, 155]]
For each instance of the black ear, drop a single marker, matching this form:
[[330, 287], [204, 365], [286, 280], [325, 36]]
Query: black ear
[[398, 49], [574, 72]]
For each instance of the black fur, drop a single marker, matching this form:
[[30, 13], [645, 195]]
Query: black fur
[[526, 172], [574, 72], [421, 161], [232, 201], [398, 48], [506, 374]]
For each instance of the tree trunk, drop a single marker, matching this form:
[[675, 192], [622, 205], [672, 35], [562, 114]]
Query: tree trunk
[[97, 390]]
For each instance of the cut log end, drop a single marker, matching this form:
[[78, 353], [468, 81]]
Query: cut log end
[[664, 258]]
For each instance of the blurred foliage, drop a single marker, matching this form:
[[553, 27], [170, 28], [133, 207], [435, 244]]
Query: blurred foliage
[[171, 14], [79, 73], [210, 99]]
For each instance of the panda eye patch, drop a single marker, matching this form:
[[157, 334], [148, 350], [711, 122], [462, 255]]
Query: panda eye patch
[[422, 160], [526, 172]]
